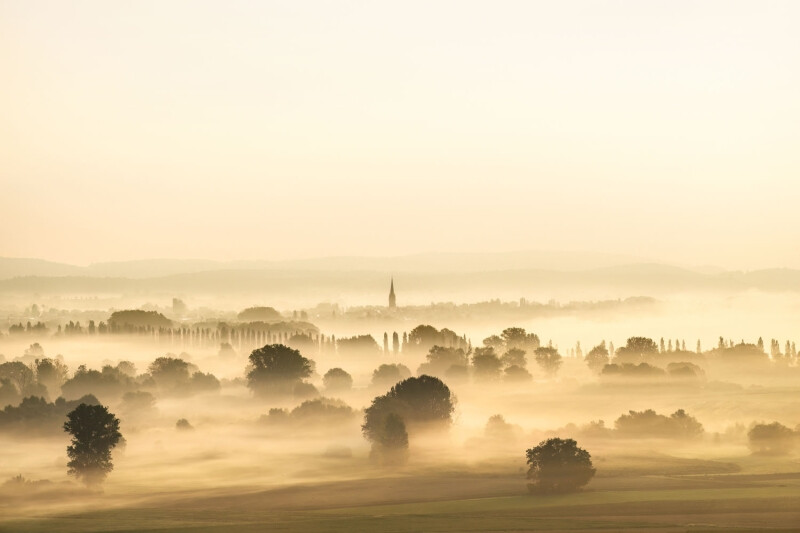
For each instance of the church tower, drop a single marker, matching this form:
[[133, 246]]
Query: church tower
[[392, 299]]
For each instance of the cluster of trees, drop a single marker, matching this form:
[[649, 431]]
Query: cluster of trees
[[648, 423], [501, 357], [48, 378], [36, 416], [310, 413], [643, 357], [34, 329]]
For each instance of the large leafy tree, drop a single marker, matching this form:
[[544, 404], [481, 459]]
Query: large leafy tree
[[391, 447], [275, 369], [424, 400], [558, 465], [95, 432]]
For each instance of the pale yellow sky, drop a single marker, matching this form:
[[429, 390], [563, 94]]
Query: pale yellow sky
[[268, 130]]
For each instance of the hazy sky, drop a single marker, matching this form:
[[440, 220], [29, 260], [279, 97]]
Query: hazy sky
[[244, 130]]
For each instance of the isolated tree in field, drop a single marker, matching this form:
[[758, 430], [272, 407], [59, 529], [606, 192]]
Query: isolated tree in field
[[275, 369], [597, 357], [95, 432], [548, 359], [558, 465], [421, 401]]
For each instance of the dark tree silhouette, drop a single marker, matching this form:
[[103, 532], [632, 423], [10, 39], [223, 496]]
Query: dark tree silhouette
[[95, 432], [424, 400], [276, 369], [391, 446], [558, 465]]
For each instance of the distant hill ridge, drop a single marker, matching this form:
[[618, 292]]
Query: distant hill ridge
[[630, 278], [425, 262]]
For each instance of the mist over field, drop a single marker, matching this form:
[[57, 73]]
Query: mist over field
[[399, 266], [666, 393]]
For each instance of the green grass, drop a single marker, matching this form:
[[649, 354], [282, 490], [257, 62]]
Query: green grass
[[757, 508]]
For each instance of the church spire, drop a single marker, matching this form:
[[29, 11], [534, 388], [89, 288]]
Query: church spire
[[392, 299]]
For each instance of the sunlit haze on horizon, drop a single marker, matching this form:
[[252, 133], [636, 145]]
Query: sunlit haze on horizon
[[276, 130]]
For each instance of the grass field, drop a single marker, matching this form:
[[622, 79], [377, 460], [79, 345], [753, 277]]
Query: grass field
[[427, 501]]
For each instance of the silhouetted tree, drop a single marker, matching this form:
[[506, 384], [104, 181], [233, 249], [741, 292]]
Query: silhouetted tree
[[360, 345], [391, 444], [558, 465], [95, 432], [275, 369], [388, 375], [170, 372], [424, 400], [337, 380], [636, 350], [678, 425]]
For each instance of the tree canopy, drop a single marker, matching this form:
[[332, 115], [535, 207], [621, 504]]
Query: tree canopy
[[276, 369], [558, 465], [423, 400], [95, 432]]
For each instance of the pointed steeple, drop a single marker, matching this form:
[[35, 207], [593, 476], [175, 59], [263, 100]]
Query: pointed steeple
[[392, 299]]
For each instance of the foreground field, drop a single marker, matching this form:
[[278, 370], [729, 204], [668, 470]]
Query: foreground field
[[680, 498]]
